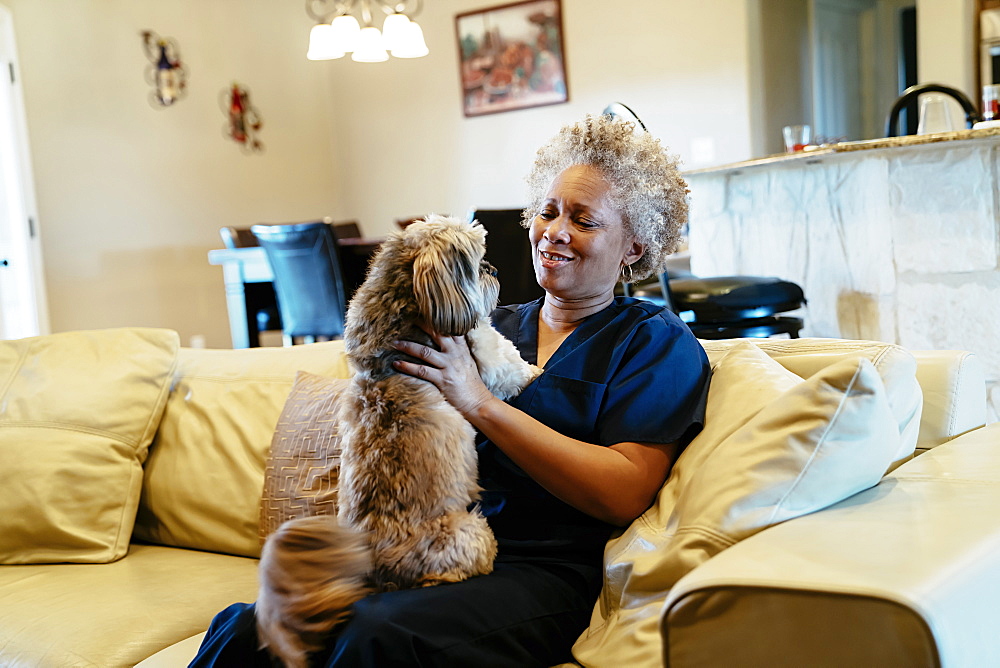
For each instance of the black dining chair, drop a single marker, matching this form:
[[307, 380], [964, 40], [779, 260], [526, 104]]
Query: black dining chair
[[307, 278], [261, 302], [509, 251]]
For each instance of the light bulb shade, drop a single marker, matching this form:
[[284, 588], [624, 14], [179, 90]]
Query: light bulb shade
[[346, 32], [322, 45], [413, 45], [369, 48], [394, 31]]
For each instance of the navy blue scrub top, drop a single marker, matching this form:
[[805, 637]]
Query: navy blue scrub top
[[632, 372]]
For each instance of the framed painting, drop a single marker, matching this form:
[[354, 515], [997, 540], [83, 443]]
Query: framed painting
[[511, 57]]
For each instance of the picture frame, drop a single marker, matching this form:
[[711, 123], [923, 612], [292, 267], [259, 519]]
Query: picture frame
[[511, 57]]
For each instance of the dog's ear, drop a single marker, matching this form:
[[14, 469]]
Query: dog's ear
[[445, 284]]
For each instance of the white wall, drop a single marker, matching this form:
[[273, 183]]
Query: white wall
[[407, 149], [130, 197]]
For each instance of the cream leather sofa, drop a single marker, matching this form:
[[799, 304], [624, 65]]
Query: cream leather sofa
[[900, 574]]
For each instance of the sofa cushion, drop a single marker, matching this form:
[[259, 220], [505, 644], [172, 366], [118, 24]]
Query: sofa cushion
[[77, 413], [774, 447], [303, 464], [115, 615], [896, 366], [205, 470]]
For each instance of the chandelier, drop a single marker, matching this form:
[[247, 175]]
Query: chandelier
[[337, 32]]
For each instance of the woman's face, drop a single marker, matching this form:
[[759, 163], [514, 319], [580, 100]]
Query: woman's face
[[578, 238]]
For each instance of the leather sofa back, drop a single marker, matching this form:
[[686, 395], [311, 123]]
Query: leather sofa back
[[204, 474], [950, 399]]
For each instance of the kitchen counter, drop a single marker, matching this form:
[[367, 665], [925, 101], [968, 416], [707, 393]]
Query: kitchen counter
[[826, 150], [893, 239]]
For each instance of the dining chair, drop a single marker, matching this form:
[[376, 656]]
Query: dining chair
[[348, 229], [237, 237], [509, 251], [262, 304], [307, 278]]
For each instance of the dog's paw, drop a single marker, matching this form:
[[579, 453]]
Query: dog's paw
[[500, 365], [442, 578], [509, 381]]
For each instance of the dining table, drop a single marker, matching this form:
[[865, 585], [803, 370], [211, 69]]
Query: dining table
[[249, 282]]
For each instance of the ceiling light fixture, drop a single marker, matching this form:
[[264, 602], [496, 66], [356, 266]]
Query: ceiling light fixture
[[337, 32]]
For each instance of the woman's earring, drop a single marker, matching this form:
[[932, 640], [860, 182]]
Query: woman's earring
[[626, 279]]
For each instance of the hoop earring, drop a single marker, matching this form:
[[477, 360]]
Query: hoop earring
[[629, 278]]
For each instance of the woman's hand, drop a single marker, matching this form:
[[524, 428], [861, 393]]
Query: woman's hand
[[451, 369], [614, 484]]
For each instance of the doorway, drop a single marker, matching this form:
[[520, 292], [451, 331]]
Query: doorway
[[837, 65], [23, 309], [860, 61]]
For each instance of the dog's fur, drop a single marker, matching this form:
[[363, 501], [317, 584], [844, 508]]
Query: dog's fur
[[408, 461]]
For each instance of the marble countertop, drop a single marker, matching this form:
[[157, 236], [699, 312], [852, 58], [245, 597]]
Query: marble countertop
[[815, 152]]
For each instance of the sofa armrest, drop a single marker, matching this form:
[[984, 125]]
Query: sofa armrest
[[954, 387], [901, 574]]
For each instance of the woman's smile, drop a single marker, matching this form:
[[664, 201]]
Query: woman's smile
[[552, 260]]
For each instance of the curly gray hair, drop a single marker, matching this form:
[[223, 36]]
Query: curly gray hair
[[646, 184]]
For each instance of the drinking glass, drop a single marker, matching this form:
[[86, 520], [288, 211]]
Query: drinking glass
[[797, 137], [935, 114]]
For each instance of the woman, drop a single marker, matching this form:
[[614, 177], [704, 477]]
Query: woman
[[582, 450]]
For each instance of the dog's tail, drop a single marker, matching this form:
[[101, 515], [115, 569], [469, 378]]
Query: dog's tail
[[311, 571]]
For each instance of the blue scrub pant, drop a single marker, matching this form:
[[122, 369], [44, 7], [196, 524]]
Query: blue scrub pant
[[523, 614]]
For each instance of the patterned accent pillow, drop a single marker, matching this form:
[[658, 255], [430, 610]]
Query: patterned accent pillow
[[300, 478]]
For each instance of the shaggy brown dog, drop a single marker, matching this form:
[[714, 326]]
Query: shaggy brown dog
[[408, 460]]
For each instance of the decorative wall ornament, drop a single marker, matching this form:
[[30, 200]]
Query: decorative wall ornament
[[244, 120], [165, 73], [511, 57]]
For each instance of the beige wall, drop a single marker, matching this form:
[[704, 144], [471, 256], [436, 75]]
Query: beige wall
[[945, 30], [131, 198], [408, 149], [945, 44]]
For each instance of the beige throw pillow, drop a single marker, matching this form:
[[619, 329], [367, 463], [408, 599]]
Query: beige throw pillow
[[77, 413], [203, 480], [774, 447], [300, 478]]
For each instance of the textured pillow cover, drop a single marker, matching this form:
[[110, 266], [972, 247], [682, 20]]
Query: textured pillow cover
[[300, 478], [203, 480], [77, 413], [774, 447]]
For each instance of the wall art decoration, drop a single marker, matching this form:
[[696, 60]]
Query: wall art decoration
[[243, 119], [165, 74], [511, 57]]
